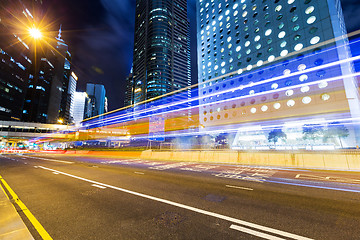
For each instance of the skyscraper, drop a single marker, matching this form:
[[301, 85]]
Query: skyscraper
[[161, 62], [96, 102], [16, 61], [266, 63], [78, 107], [45, 89], [129, 93]]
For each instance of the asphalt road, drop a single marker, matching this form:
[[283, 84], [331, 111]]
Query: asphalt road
[[97, 198]]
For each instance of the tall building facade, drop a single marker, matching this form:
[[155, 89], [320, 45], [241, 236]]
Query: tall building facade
[[46, 86], [129, 93], [161, 61], [16, 61], [68, 90], [96, 100], [274, 63], [78, 107]]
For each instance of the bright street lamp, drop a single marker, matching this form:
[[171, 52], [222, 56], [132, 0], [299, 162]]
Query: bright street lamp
[[35, 33]]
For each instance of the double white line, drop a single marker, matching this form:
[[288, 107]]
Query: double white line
[[198, 210]]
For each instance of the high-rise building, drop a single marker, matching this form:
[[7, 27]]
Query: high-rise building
[[45, 89], [78, 107], [96, 100], [129, 94], [16, 60], [273, 63], [161, 61], [69, 88]]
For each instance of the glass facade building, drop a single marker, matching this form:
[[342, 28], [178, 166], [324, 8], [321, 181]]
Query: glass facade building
[[161, 61], [264, 63], [16, 61]]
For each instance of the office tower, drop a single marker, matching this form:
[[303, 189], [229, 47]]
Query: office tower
[[16, 60], [161, 61], [268, 63], [96, 104], [45, 89], [129, 90], [78, 107], [69, 87]]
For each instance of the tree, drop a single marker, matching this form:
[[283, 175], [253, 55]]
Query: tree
[[312, 131], [336, 130], [275, 135], [221, 140]]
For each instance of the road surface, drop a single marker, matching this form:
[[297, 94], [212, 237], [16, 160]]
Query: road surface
[[99, 198]]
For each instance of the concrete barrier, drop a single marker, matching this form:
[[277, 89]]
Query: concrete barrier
[[339, 161]]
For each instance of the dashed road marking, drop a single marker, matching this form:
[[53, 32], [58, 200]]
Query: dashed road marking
[[98, 186], [194, 209], [243, 188], [139, 172], [52, 160], [255, 233]]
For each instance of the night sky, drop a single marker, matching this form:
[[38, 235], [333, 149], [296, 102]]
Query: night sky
[[100, 34]]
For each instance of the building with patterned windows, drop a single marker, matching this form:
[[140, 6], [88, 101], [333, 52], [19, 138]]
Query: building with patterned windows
[[161, 61], [275, 64]]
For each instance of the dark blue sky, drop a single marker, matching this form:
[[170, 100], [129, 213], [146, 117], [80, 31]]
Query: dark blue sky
[[100, 34]]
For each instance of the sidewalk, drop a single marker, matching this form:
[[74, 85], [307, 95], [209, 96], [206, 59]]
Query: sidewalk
[[11, 225]]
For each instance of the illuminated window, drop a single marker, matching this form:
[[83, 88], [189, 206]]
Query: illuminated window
[[257, 38], [290, 103], [253, 110], [315, 40], [303, 78], [274, 86], [304, 89], [311, 20], [301, 67], [283, 53], [281, 34], [294, 18], [323, 84], [306, 100], [268, 32], [264, 108], [298, 47], [271, 58], [291, 1], [277, 105], [309, 10], [278, 8], [283, 44], [258, 46], [289, 93], [286, 72], [238, 48], [260, 63], [325, 96]]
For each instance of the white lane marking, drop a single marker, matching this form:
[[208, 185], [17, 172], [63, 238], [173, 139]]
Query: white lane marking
[[52, 160], [139, 172], [55, 173], [243, 188], [98, 186], [327, 178], [194, 209], [255, 233]]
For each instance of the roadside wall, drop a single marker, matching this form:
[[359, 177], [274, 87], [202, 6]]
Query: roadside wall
[[338, 161]]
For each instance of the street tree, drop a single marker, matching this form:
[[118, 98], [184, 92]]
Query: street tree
[[275, 135]]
